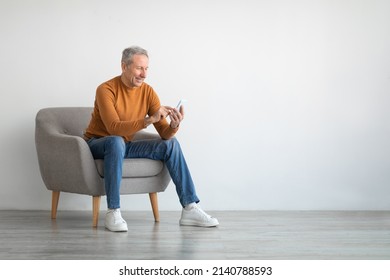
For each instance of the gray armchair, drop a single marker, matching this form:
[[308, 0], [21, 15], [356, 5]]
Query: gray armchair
[[66, 163]]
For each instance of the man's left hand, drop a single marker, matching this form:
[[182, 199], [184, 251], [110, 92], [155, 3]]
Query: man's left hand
[[176, 117]]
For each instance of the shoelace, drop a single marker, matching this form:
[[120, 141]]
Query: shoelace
[[204, 215]]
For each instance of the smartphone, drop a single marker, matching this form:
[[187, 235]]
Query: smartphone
[[181, 102]]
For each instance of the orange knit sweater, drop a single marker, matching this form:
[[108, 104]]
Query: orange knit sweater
[[120, 111]]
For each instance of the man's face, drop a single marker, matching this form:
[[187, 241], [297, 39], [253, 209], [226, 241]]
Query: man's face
[[135, 73]]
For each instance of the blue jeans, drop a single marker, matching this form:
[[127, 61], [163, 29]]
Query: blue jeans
[[113, 149]]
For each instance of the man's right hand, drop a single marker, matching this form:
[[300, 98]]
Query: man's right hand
[[162, 113]]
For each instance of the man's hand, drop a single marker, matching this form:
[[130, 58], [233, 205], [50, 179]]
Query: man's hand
[[162, 113], [176, 117]]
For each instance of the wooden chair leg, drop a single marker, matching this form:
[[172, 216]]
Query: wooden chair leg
[[55, 197], [154, 202], [95, 210]]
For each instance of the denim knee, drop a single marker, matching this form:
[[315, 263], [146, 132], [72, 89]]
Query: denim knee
[[116, 145], [172, 143], [172, 146]]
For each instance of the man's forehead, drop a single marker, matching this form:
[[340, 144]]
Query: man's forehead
[[140, 59]]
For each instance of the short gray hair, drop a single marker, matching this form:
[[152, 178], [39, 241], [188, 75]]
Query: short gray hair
[[128, 53]]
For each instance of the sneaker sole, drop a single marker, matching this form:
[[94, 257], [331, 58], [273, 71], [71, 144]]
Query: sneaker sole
[[196, 224], [117, 229]]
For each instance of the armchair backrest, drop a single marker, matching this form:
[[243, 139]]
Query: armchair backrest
[[64, 120]]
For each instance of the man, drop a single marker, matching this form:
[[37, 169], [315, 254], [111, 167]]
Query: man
[[123, 106]]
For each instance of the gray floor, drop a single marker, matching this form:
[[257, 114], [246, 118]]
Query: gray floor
[[265, 235]]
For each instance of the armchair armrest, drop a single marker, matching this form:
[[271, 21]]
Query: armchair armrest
[[66, 163]]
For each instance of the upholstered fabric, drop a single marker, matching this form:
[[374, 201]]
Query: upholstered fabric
[[66, 163]]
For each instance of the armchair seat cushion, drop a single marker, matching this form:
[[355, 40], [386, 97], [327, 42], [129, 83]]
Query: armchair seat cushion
[[135, 167]]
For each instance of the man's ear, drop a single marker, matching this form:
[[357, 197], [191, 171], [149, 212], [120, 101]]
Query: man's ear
[[123, 65]]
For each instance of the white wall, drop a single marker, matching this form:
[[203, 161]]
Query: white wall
[[288, 100]]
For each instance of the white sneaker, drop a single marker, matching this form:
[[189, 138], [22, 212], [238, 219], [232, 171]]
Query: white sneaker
[[197, 217], [114, 220]]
